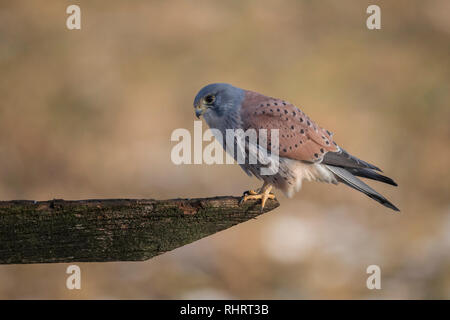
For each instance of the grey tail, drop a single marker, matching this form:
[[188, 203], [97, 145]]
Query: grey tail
[[344, 159], [344, 175], [370, 174]]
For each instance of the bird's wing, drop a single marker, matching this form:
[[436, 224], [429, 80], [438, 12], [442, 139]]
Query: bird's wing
[[299, 137]]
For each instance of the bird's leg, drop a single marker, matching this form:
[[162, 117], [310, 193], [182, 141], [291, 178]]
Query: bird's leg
[[263, 194]]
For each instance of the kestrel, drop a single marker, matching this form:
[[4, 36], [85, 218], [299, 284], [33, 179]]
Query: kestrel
[[306, 151]]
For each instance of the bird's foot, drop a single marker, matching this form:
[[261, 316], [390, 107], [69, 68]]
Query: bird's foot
[[251, 192], [253, 195]]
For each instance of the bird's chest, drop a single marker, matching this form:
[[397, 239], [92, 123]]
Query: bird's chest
[[225, 129], [230, 121]]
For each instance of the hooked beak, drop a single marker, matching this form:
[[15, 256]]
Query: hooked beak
[[200, 109]]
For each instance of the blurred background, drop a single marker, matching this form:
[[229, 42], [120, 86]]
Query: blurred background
[[89, 113]]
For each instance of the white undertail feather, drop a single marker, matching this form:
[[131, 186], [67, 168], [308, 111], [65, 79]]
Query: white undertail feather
[[288, 174], [306, 171]]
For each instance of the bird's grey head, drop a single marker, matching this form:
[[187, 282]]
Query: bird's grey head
[[217, 99]]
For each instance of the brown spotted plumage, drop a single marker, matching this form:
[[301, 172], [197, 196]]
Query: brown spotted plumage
[[299, 137]]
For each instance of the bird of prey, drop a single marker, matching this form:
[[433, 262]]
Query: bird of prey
[[306, 151]]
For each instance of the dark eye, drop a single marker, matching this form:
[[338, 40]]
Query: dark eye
[[209, 99]]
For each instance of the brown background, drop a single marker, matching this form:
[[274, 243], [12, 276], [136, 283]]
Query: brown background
[[89, 113]]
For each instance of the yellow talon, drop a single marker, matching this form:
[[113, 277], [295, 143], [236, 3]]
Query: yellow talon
[[263, 194]]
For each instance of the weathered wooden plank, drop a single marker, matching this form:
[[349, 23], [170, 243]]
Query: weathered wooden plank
[[112, 229]]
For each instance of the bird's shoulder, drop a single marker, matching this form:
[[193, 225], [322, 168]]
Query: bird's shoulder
[[300, 138]]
